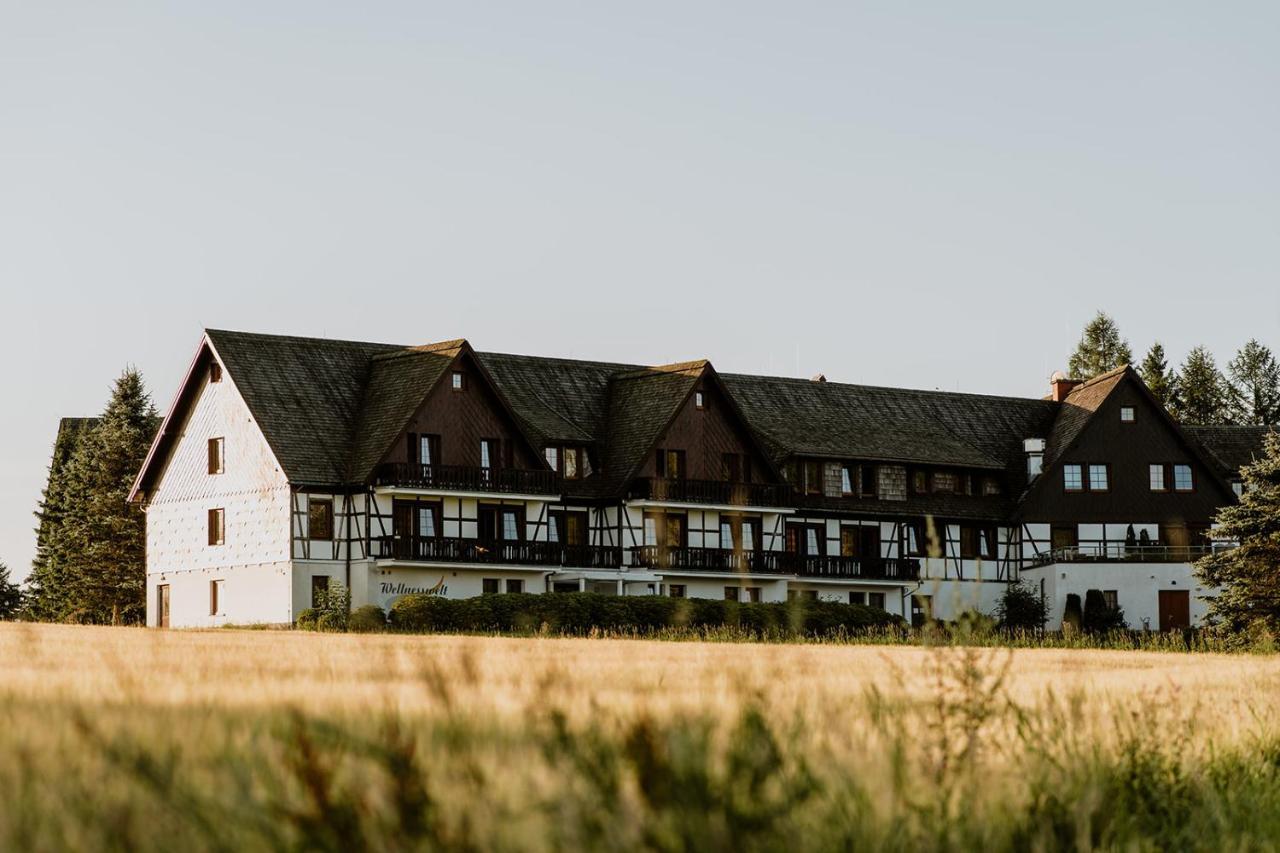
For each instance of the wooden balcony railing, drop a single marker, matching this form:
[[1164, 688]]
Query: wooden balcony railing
[[1118, 553], [852, 568], [709, 492], [449, 550], [708, 559], [464, 478], [774, 562]]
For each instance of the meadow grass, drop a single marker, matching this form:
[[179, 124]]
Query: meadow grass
[[217, 740]]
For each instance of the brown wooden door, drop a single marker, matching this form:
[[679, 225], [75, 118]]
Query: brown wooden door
[[1175, 609], [162, 606]]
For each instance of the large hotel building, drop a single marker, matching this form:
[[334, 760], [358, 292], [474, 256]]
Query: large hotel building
[[285, 463]]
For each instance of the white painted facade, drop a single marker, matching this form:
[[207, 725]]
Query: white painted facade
[[1137, 587]]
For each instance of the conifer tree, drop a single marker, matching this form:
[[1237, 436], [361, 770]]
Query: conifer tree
[[1158, 376], [1202, 390], [1254, 385], [1100, 349], [10, 595], [47, 581], [1249, 575], [92, 564]]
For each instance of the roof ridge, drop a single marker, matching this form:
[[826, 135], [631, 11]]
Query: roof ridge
[[679, 367], [423, 349], [938, 392], [299, 338]]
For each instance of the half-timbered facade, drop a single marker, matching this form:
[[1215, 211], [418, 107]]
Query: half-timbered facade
[[286, 463]]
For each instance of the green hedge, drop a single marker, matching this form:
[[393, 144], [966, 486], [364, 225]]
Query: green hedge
[[581, 612]]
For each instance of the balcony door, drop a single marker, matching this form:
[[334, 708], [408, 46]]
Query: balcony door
[[806, 540], [501, 523]]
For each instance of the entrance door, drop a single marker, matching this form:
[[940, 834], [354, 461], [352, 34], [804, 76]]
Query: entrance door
[[1175, 609], [162, 606]]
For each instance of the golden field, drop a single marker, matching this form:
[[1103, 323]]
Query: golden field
[[270, 740]]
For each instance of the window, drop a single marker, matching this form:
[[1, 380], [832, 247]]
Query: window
[[858, 598], [1182, 479], [553, 527], [1127, 415], [944, 482], [1099, 481], [697, 400], [750, 536], [1159, 478], [968, 542], [429, 449], [1073, 478], [812, 473], [731, 467], [488, 586], [650, 530], [675, 531], [730, 593], [215, 372], [552, 455], [571, 467], [1035, 464], [726, 535], [876, 600], [867, 481], [1237, 487], [1112, 598], [458, 380], [515, 585], [215, 456], [487, 453], [848, 541], [913, 539], [677, 590], [319, 590], [428, 517], [216, 529], [510, 526], [920, 482], [565, 586], [215, 598], [990, 487], [846, 480], [671, 464], [320, 520]]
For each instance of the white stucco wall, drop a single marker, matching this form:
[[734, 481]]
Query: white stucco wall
[[1137, 587]]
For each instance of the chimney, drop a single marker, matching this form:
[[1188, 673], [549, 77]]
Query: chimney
[[1061, 385], [821, 377]]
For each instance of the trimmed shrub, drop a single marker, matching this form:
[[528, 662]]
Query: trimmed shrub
[[331, 620], [1098, 617], [582, 612], [307, 620], [1073, 613], [1021, 608], [368, 619]]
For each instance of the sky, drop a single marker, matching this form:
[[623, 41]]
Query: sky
[[930, 195]]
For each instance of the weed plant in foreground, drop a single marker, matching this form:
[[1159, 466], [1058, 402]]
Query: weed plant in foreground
[[128, 739]]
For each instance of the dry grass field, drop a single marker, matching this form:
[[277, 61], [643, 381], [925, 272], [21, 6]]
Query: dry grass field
[[134, 739]]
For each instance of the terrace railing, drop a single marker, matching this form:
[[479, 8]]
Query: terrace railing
[[465, 478], [723, 492], [774, 562], [854, 568], [1119, 553], [496, 552]]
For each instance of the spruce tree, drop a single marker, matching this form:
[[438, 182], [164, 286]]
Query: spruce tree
[[1100, 349], [95, 551], [1254, 385], [1248, 576], [10, 595], [1202, 390], [1162, 381], [46, 584]]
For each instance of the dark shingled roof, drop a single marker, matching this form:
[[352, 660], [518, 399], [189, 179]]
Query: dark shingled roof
[[330, 409], [1077, 408], [306, 394], [1232, 447]]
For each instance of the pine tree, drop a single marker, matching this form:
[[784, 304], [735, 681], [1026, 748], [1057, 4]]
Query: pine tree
[[10, 595], [1100, 349], [46, 584], [1202, 390], [92, 565], [1254, 385], [1249, 575], [1160, 379]]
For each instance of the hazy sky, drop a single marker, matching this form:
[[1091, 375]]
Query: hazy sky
[[930, 195]]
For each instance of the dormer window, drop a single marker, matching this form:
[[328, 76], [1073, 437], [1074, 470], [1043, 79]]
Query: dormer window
[[458, 380], [1127, 415], [552, 455]]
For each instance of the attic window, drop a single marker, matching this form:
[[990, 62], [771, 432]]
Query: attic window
[[215, 372], [697, 399], [457, 380], [1127, 415]]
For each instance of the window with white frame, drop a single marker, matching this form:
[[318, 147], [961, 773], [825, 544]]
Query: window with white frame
[[1159, 479], [1182, 478], [1073, 478], [1127, 414], [726, 534], [552, 455], [1099, 479], [510, 526]]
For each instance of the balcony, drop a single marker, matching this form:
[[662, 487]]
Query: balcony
[[855, 568], [774, 562], [720, 492], [1119, 553], [709, 559], [487, 552], [464, 478]]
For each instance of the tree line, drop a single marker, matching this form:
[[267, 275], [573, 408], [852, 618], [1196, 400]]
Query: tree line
[[1246, 392]]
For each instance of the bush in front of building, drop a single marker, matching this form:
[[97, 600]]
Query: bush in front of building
[[1021, 608], [583, 612], [1099, 617], [369, 619]]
